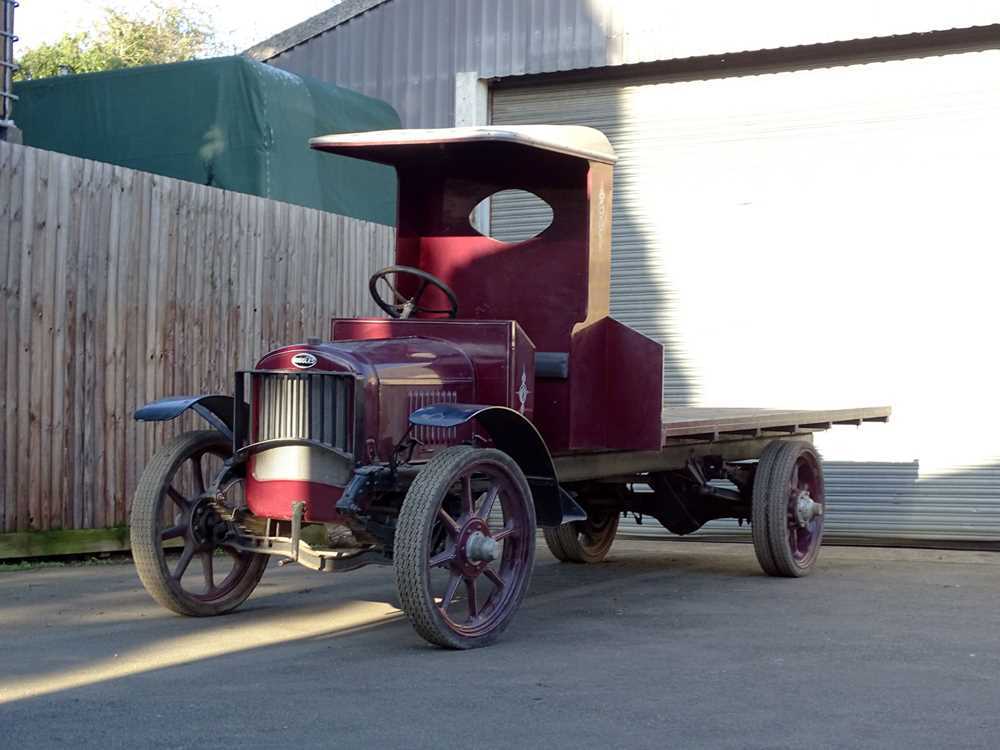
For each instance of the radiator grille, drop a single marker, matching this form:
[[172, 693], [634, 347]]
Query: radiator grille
[[308, 406]]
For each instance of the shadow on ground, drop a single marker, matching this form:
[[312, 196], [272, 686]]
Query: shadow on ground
[[686, 641]]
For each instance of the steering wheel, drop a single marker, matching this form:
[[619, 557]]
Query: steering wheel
[[403, 306]]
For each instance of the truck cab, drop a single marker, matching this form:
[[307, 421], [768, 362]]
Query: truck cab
[[473, 323]]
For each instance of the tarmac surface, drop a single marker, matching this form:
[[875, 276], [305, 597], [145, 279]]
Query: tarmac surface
[[666, 645]]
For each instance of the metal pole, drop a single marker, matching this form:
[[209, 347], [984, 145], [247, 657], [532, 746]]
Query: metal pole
[[7, 66]]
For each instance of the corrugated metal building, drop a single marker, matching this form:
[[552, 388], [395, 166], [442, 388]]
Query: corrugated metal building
[[804, 209]]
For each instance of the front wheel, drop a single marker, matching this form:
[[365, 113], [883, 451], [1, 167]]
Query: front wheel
[[170, 512], [464, 547]]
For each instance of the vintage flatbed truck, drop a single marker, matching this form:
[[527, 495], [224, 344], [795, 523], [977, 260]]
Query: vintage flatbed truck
[[499, 396]]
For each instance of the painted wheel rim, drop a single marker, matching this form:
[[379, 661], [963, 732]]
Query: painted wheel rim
[[186, 515], [805, 534], [483, 512], [596, 529]]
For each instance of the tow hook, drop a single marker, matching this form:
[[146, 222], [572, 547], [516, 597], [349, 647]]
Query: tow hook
[[298, 510]]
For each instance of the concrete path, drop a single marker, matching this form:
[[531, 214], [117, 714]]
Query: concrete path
[[667, 645]]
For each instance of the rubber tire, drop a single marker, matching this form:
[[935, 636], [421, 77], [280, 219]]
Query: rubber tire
[[759, 509], [147, 549], [784, 461], [413, 529], [565, 544]]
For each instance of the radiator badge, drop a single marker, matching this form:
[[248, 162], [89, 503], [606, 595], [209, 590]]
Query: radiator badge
[[522, 392], [304, 360]]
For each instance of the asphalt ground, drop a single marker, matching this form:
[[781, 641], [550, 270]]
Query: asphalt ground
[[666, 645]]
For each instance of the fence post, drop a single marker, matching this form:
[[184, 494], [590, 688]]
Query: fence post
[[7, 67]]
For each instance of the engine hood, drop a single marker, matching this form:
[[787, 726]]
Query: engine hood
[[396, 361], [397, 376]]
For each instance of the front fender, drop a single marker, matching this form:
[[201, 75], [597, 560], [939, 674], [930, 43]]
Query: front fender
[[517, 437], [217, 410]]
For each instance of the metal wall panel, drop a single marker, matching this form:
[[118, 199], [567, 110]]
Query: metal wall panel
[[407, 52], [814, 238], [642, 296]]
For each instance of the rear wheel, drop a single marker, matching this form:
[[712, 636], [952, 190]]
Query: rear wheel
[[170, 513], [759, 509], [464, 546], [788, 508], [584, 541]]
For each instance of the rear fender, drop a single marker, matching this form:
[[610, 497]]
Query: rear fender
[[217, 410], [517, 437]]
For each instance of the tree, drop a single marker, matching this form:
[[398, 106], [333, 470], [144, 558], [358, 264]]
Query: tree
[[166, 33]]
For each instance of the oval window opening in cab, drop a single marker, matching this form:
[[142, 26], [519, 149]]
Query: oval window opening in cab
[[511, 216]]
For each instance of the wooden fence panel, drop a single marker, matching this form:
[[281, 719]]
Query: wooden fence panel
[[118, 287]]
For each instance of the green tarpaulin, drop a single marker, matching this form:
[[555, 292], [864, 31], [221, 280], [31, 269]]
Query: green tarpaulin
[[229, 122]]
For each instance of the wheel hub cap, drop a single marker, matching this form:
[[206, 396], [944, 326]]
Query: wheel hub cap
[[806, 509], [204, 522], [481, 548], [473, 546]]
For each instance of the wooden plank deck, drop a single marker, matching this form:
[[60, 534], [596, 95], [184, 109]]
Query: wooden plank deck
[[711, 423], [734, 434]]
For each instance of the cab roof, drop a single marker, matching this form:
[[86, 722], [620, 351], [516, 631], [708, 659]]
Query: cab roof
[[384, 145]]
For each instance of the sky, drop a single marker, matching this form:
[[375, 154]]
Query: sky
[[238, 23]]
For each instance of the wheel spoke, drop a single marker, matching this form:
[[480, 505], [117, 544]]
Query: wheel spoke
[[182, 564], [487, 506], [449, 523], [208, 571], [505, 532], [467, 504], [196, 475], [443, 559], [179, 500], [795, 477], [473, 600], [495, 577], [173, 532], [449, 594]]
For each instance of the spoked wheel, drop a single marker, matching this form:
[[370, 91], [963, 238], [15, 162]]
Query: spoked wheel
[[465, 546], [170, 514], [584, 541], [788, 507]]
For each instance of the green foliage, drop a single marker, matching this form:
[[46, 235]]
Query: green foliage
[[164, 34]]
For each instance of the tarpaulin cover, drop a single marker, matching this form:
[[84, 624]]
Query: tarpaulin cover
[[229, 122]]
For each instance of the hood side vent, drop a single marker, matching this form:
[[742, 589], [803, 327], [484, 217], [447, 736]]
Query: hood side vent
[[432, 435]]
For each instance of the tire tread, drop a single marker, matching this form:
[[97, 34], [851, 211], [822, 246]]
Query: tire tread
[[412, 529], [143, 531]]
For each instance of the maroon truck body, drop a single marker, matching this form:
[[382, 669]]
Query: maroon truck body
[[436, 441]]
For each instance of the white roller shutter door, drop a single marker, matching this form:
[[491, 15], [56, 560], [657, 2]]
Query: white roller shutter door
[[814, 238]]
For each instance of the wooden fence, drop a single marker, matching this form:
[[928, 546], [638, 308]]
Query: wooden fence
[[120, 287]]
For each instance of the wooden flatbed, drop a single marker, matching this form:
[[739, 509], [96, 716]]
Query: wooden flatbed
[[733, 433], [712, 424]]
